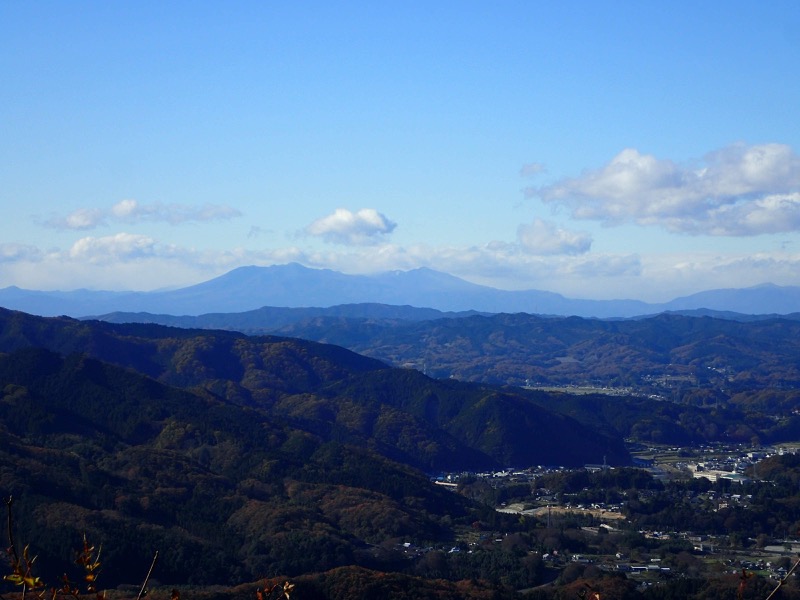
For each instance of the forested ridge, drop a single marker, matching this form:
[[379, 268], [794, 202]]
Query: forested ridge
[[713, 356], [330, 391], [240, 457], [515, 348], [231, 492], [243, 457]]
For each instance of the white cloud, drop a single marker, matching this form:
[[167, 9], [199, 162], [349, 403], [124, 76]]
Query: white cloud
[[365, 227], [756, 183], [12, 253], [125, 209], [545, 238], [78, 220], [778, 213], [126, 261], [113, 248], [131, 211]]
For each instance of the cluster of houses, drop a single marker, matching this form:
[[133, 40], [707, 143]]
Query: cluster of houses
[[734, 466]]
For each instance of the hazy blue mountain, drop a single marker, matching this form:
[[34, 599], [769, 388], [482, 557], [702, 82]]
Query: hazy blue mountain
[[54, 303], [292, 285], [269, 318], [757, 300], [727, 315]]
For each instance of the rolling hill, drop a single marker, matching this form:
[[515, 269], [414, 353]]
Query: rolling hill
[[276, 373], [521, 348]]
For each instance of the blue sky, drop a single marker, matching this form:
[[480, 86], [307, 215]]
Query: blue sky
[[597, 149]]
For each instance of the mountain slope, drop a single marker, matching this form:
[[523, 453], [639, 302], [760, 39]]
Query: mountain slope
[[500, 423], [224, 493], [761, 299], [294, 379]]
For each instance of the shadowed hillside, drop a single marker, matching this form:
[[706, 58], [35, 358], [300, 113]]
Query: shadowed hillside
[[295, 380], [228, 493], [241, 457]]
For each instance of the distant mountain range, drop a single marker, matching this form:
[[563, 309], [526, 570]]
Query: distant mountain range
[[292, 285]]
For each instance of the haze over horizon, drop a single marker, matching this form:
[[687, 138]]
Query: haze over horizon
[[597, 150]]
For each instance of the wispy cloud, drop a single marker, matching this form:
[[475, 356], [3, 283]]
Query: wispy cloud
[[495, 263], [132, 211], [256, 231], [365, 227], [545, 238], [739, 190], [532, 169], [12, 253], [81, 219]]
